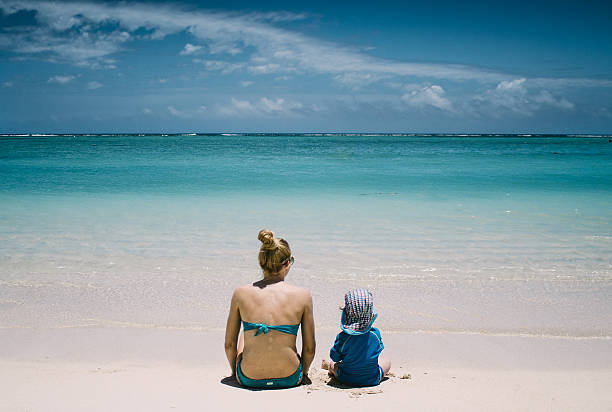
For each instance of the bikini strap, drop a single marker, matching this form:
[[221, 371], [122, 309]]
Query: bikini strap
[[262, 327]]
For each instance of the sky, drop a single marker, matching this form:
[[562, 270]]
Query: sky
[[316, 66]]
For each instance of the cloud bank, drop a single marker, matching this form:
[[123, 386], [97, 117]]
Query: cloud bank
[[264, 107], [515, 97], [90, 34], [256, 48], [60, 79]]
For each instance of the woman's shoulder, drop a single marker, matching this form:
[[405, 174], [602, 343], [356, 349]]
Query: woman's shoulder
[[242, 291], [298, 289], [300, 294]]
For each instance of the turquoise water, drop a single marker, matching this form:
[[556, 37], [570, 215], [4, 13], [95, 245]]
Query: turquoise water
[[464, 234], [433, 167]]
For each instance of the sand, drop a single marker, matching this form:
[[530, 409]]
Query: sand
[[158, 369]]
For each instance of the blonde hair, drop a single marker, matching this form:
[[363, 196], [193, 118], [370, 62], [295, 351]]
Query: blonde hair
[[274, 252]]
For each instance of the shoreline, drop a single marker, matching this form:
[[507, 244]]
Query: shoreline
[[87, 343], [122, 325]]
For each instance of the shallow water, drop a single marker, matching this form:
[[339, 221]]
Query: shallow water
[[464, 234]]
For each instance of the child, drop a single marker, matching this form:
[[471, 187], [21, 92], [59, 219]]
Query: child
[[355, 354]]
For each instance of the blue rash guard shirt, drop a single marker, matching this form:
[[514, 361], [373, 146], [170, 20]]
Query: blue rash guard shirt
[[358, 357]]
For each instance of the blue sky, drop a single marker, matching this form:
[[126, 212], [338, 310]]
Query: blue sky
[[440, 66]]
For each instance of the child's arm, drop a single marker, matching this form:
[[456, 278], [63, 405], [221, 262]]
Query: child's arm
[[377, 334], [335, 352]]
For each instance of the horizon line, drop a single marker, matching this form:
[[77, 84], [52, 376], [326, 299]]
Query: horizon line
[[312, 134]]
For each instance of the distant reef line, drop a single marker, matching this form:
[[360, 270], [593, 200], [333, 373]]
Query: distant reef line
[[322, 134]]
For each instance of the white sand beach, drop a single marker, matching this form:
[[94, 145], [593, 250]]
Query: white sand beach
[[129, 369]]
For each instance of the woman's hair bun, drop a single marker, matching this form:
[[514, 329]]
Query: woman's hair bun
[[274, 252], [267, 238]]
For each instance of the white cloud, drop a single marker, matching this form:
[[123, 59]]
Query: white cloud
[[546, 98], [7, 84], [190, 49], [356, 80], [513, 96], [177, 113], [219, 65], [428, 96], [85, 47], [284, 54], [187, 113], [100, 63], [278, 105], [557, 83], [278, 16], [394, 85], [147, 111], [247, 83], [60, 79], [511, 86], [265, 68], [264, 107], [94, 85], [229, 48]]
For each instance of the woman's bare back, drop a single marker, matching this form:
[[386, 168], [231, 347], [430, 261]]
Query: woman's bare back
[[273, 353]]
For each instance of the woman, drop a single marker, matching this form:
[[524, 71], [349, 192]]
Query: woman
[[271, 311]]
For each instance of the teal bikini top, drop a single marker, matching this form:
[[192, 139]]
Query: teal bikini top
[[262, 327]]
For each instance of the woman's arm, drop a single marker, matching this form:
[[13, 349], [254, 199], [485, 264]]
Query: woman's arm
[[232, 329], [308, 336]]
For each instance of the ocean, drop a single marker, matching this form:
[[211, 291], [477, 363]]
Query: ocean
[[456, 234]]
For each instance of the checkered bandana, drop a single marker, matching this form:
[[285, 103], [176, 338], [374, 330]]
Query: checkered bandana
[[358, 310]]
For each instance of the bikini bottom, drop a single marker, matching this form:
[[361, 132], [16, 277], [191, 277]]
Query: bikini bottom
[[288, 382]]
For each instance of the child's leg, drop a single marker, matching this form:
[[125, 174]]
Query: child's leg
[[330, 366], [385, 364]]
